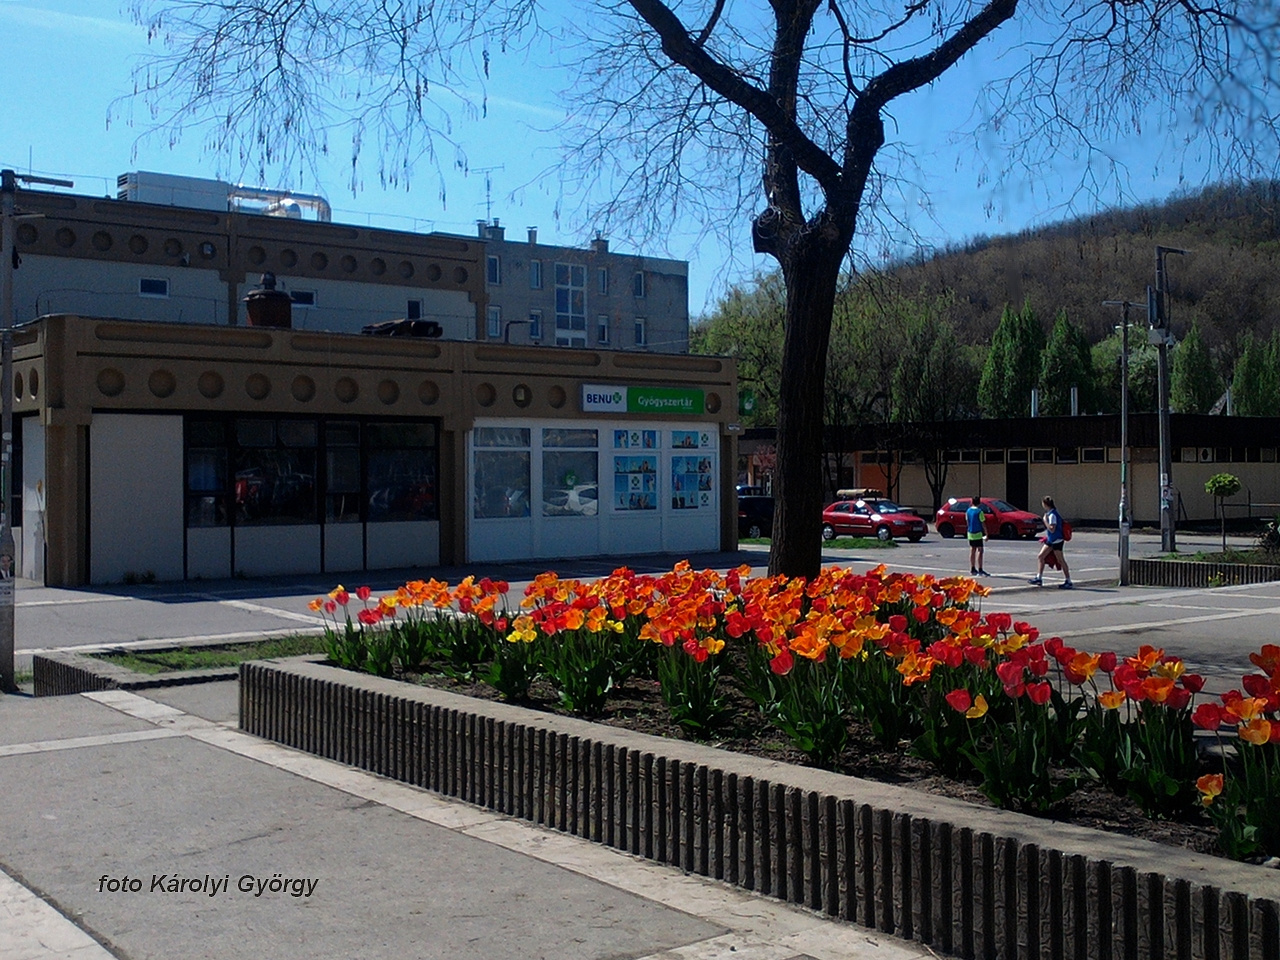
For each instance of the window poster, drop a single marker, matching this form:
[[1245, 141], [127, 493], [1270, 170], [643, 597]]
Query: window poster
[[635, 439], [635, 482], [690, 439], [691, 483]]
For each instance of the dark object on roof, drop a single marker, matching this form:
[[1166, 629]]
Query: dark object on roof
[[405, 328]]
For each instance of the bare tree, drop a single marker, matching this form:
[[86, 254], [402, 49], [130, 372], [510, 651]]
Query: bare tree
[[690, 103]]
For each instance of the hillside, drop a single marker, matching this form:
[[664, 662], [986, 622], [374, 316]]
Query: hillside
[[1230, 278]]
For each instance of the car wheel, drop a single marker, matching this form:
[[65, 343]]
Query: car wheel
[[1009, 532], [828, 532], [754, 532], [946, 531], [884, 534], [916, 537]]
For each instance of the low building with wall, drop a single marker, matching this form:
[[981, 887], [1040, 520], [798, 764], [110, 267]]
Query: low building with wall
[[182, 451], [1075, 460]]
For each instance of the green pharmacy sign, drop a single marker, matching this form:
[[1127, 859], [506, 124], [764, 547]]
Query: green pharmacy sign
[[610, 398]]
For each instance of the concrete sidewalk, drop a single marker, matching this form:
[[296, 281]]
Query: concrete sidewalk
[[286, 855]]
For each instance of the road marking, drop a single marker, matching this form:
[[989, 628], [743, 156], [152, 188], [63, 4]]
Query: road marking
[[1159, 624], [161, 642], [262, 608]]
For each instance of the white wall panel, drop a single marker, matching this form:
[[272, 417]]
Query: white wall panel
[[135, 497], [30, 560], [405, 544], [271, 550]]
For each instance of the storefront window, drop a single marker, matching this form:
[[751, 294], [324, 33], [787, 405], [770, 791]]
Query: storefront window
[[206, 473], [275, 472], [342, 472], [402, 471], [570, 477]]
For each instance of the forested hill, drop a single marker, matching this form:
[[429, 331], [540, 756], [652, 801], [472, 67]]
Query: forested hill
[[1230, 279]]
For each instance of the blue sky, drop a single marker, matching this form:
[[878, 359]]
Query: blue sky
[[67, 60]]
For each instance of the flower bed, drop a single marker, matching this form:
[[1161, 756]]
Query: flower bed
[[910, 657]]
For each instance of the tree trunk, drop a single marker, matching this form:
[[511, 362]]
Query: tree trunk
[[811, 269]]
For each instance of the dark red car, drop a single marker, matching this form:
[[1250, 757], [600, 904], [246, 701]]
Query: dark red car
[[1003, 519], [882, 519]]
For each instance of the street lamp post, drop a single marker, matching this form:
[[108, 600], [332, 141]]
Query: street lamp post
[[1124, 518], [1158, 319], [8, 214]]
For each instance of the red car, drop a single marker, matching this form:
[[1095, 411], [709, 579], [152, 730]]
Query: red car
[[1003, 519], [882, 519]]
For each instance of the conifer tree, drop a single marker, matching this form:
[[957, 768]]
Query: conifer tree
[[1013, 365], [1066, 363]]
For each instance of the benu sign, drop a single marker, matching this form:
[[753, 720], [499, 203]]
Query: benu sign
[[610, 398]]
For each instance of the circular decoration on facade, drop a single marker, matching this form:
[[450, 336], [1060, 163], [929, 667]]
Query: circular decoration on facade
[[101, 240], [303, 388], [521, 395], [27, 233], [65, 237], [207, 250], [110, 382], [289, 258], [428, 392], [556, 397], [210, 385], [486, 395], [17, 386], [162, 383], [459, 275], [138, 244], [433, 272], [173, 247], [257, 256], [319, 261], [712, 402], [377, 266], [405, 269], [33, 382], [388, 392], [348, 264], [257, 386], [346, 390]]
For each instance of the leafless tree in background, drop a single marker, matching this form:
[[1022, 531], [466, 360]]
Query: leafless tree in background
[[714, 109]]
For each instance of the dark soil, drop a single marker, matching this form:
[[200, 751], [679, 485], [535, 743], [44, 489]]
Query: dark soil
[[637, 705]]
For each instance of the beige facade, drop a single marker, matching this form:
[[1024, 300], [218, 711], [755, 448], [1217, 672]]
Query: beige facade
[[107, 477]]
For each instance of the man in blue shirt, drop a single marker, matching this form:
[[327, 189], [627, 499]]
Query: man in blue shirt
[[975, 520], [1055, 536]]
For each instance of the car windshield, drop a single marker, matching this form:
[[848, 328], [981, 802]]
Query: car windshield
[[887, 506], [1004, 506]]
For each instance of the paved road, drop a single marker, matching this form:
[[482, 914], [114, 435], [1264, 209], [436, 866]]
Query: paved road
[[1214, 629]]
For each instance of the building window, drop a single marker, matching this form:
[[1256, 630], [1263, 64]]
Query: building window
[[153, 287], [969, 456], [602, 328], [501, 468], [570, 472], [493, 326], [1068, 455], [303, 298], [1093, 455], [274, 471], [642, 332], [535, 274], [602, 278], [993, 456], [413, 310], [535, 324], [1042, 455], [400, 472], [571, 305], [493, 270], [1018, 456], [342, 472], [638, 284]]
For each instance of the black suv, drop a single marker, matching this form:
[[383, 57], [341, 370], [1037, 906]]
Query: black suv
[[755, 516]]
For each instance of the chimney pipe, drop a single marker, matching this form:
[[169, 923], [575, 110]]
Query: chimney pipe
[[533, 236]]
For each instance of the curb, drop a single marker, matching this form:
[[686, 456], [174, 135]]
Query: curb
[[963, 879]]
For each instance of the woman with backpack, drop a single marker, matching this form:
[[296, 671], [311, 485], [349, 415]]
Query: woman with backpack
[[1055, 536]]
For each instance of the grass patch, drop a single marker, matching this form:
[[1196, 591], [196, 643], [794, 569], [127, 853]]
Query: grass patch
[[857, 543], [23, 676], [212, 657], [1228, 556]]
